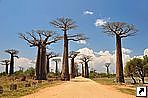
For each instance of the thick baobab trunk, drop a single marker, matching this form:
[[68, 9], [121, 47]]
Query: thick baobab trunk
[[12, 65], [47, 67], [41, 71], [82, 71], [65, 67], [119, 65], [56, 69], [86, 70], [42, 68], [72, 68], [38, 60], [7, 68]]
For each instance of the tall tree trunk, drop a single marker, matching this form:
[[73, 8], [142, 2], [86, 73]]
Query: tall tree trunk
[[7, 68], [107, 68], [42, 68], [82, 70], [119, 65], [47, 59], [86, 70], [65, 67], [12, 65], [72, 68], [38, 62], [56, 69], [76, 71]]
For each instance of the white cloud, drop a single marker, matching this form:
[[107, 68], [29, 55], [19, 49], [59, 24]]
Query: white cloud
[[81, 42], [146, 52], [88, 12], [102, 57], [100, 22], [126, 51], [23, 62], [86, 51]]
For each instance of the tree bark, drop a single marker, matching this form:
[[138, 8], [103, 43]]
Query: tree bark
[[72, 68], [43, 70], [82, 71], [47, 59], [119, 65], [12, 65], [65, 67], [56, 70], [38, 60], [86, 70], [107, 68], [42, 74], [7, 68]]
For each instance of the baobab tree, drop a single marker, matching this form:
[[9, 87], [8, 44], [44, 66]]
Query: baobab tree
[[82, 68], [107, 68], [6, 63], [73, 55], [21, 68], [119, 30], [66, 24], [13, 53], [50, 55], [56, 60], [76, 69], [40, 39], [86, 59]]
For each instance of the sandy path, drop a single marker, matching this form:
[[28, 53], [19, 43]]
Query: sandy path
[[79, 88]]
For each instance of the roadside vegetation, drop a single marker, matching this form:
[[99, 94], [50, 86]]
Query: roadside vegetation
[[23, 83], [135, 74]]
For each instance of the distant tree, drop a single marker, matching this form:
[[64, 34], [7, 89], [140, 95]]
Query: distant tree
[[6, 63], [120, 30], [66, 24], [56, 60], [13, 53], [107, 68], [21, 68], [50, 55], [40, 39], [86, 59], [76, 69], [73, 55], [82, 68]]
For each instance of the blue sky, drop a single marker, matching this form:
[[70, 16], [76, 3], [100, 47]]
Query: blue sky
[[24, 15]]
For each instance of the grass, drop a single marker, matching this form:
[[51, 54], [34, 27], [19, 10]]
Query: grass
[[105, 81], [110, 81], [127, 91], [22, 90]]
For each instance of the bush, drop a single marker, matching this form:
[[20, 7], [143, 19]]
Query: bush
[[17, 73], [13, 86], [1, 90], [30, 72]]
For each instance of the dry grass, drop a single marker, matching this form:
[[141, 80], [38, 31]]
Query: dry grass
[[21, 89]]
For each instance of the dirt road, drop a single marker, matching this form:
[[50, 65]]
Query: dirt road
[[79, 88]]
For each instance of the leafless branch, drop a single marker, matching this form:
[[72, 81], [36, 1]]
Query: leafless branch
[[63, 23], [119, 28]]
